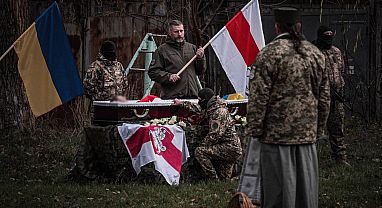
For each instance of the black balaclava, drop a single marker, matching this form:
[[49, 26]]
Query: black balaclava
[[205, 95], [108, 50], [324, 41]]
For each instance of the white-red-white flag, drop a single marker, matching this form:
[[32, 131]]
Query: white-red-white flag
[[164, 145], [238, 43]]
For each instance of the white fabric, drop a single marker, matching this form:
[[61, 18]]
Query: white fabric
[[147, 152], [231, 60], [252, 15], [227, 52]]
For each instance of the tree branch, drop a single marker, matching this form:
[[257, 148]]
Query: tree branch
[[213, 16]]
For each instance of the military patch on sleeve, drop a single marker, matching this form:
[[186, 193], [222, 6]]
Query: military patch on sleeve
[[214, 125]]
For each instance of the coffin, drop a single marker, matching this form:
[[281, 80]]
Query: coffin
[[108, 112]]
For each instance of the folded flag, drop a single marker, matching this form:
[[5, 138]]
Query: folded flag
[[238, 43], [46, 64], [164, 145], [148, 98]]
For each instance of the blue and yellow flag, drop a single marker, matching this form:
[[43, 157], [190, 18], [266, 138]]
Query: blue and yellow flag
[[46, 63]]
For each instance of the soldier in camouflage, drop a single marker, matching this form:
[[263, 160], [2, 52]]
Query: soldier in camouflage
[[335, 66], [104, 80], [288, 108], [105, 77], [221, 147]]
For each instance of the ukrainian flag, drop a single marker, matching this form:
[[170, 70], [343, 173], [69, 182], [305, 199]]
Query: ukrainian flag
[[46, 64]]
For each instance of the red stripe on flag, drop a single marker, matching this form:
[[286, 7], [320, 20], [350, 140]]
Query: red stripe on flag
[[172, 154], [134, 144], [240, 32]]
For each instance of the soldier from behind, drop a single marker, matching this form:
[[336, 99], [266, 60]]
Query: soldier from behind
[[287, 110], [170, 57], [105, 77], [221, 147], [335, 67]]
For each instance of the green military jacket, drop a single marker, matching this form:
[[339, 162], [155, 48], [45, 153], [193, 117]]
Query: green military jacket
[[289, 94], [168, 59]]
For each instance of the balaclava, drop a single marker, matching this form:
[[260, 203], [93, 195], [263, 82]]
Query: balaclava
[[205, 95], [108, 50], [324, 41]]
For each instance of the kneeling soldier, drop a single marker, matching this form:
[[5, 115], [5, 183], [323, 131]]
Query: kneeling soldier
[[221, 147]]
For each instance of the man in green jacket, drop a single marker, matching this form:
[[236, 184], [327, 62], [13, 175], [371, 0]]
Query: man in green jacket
[[170, 57]]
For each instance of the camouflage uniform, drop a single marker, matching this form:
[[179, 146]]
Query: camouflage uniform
[[288, 107], [221, 147], [104, 79], [289, 94], [335, 124]]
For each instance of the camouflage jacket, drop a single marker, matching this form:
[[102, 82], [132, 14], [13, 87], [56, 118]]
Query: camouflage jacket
[[168, 59], [221, 124], [104, 79], [335, 66], [289, 94]]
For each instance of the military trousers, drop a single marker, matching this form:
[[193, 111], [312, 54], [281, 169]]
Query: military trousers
[[289, 176], [217, 160], [335, 126]]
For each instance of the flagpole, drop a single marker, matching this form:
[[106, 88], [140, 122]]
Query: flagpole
[[14, 43], [209, 42], [7, 51], [191, 60]]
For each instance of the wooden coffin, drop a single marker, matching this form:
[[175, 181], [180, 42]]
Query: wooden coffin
[[107, 112]]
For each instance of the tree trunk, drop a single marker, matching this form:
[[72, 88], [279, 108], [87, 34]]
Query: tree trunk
[[15, 113]]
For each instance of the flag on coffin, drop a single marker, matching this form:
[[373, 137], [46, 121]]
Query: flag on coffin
[[164, 145]]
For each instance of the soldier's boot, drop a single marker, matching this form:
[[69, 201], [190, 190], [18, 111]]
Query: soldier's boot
[[338, 147]]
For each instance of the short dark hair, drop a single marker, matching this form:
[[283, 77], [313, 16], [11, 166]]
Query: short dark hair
[[174, 23]]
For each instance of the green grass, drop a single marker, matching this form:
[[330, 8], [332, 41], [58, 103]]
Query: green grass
[[42, 194], [360, 185], [34, 165]]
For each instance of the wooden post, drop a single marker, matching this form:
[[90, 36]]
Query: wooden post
[[7, 51], [191, 60], [14, 43]]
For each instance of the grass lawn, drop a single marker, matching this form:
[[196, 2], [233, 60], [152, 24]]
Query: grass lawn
[[34, 165]]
